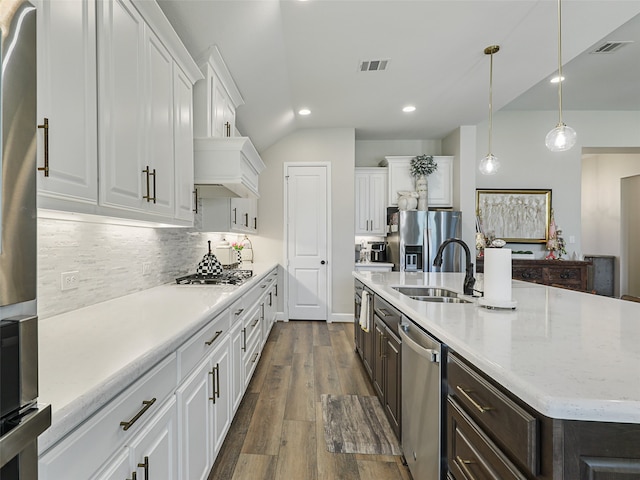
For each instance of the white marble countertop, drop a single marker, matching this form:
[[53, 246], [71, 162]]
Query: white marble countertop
[[374, 264], [89, 355], [569, 355]]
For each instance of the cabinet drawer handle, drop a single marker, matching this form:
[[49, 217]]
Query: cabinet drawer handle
[[244, 339], [466, 395], [216, 382], [384, 312], [255, 357], [45, 126], [263, 286], [215, 337], [134, 476], [239, 312], [145, 465], [147, 405], [463, 465], [255, 323]]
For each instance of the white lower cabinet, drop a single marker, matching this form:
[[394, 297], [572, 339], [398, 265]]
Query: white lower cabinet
[[152, 454], [204, 402], [238, 347]]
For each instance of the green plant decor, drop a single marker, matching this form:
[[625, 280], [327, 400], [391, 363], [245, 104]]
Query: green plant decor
[[423, 165]]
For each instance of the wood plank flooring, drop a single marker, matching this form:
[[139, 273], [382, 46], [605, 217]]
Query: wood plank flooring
[[277, 433]]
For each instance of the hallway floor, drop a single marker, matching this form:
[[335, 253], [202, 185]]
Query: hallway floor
[[278, 430]]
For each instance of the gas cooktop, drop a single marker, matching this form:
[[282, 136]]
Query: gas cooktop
[[227, 277]]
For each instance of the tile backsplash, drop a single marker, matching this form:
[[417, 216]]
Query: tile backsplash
[[109, 260]]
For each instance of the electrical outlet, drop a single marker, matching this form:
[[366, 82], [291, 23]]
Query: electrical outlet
[[572, 239], [146, 268], [69, 280]]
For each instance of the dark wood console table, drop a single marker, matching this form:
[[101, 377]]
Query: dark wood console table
[[564, 273]]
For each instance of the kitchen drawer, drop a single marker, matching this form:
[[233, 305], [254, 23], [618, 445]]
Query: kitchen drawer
[[251, 358], [202, 343], [509, 425], [93, 442], [471, 454], [388, 314], [253, 324]]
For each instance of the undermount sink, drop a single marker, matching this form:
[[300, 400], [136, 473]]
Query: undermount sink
[[431, 294]]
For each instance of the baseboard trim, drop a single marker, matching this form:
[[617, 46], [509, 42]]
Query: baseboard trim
[[341, 318]]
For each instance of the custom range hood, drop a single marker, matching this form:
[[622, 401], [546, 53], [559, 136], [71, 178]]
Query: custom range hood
[[226, 167]]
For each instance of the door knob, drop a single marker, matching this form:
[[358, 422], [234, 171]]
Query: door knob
[[322, 262]]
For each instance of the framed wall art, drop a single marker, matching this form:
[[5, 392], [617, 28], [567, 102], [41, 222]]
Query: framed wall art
[[516, 216]]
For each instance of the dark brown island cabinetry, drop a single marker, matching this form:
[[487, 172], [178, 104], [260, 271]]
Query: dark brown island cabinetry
[[379, 349], [563, 273], [491, 434]]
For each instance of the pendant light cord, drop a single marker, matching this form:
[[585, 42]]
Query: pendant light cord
[[560, 62], [491, 101]]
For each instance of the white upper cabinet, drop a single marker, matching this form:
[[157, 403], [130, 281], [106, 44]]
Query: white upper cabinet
[[115, 83], [371, 201], [215, 98], [440, 182], [121, 79], [67, 99], [183, 135]]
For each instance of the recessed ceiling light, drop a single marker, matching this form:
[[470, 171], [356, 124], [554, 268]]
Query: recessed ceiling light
[[304, 111], [409, 109], [556, 79]]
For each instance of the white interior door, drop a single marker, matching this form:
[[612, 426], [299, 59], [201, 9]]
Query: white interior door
[[307, 239]]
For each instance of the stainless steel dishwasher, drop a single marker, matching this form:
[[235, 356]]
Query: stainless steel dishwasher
[[422, 400]]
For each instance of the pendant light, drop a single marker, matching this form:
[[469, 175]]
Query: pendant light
[[562, 137], [490, 164]]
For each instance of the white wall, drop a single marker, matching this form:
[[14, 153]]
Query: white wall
[[335, 145], [601, 205], [369, 153], [518, 141]]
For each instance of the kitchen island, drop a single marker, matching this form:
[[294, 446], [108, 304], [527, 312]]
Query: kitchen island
[[98, 362], [570, 359]]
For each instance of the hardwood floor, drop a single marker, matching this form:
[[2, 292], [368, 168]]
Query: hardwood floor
[[277, 432]]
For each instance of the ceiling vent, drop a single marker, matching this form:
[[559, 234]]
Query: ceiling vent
[[373, 65], [610, 47]]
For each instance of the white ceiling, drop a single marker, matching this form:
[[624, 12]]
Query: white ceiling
[[288, 54]]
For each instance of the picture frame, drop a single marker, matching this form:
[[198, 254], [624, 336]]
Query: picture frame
[[516, 216]]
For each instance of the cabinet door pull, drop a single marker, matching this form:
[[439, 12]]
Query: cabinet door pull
[[215, 372], [463, 465], [146, 406], [466, 395], [235, 216], [270, 299], [195, 200], [148, 173], [246, 220], [215, 337], [255, 223], [45, 126], [145, 465], [154, 185], [134, 476], [244, 339]]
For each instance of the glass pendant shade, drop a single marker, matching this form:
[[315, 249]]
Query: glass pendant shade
[[489, 165], [560, 138]]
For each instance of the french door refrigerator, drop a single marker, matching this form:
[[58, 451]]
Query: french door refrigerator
[[413, 246], [22, 419]]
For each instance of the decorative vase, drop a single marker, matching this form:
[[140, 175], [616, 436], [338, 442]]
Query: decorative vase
[[422, 187], [407, 200]]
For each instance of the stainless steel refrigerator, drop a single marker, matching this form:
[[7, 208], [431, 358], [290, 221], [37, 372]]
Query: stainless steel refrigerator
[[414, 240], [22, 419]]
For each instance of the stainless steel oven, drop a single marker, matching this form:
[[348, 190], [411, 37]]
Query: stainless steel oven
[[22, 419]]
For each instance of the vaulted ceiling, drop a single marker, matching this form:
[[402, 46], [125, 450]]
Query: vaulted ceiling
[[285, 55]]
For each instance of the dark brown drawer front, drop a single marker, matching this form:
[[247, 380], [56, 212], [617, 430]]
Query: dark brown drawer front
[[472, 455], [566, 276], [510, 426], [528, 274]]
